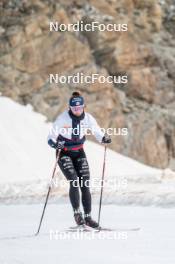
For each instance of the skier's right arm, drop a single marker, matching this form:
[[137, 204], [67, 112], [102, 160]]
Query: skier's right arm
[[53, 135]]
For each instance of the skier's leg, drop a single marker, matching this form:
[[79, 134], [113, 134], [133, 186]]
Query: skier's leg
[[66, 165], [82, 168]]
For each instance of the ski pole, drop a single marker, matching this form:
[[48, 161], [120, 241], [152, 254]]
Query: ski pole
[[47, 197], [101, 193]]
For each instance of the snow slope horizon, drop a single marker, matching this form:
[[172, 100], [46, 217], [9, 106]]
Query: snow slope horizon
[[27, 162]]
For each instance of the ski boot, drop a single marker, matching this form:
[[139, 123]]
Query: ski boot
[[90, 222], [79, 218]]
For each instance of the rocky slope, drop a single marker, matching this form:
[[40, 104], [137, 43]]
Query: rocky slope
[[146, 53]]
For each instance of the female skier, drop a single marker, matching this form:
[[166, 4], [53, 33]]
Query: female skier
[[68, 135]]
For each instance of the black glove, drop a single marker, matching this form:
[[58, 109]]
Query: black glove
[[106, 139], [56, 145], [60, 144]]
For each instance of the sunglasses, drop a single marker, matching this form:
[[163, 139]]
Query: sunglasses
[[77, 108]]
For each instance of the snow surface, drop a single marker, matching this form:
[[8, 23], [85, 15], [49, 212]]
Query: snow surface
[[153, 244], [26, 166], [27, 163]]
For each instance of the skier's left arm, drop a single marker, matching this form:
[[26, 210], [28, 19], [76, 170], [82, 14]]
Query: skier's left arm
[[97, 132]]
